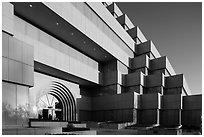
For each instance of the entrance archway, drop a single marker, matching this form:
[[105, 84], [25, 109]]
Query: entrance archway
[[63, 94], [64, 104]]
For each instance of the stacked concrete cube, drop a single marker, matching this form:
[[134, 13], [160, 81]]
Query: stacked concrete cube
[[148, 109], [147, 92], [170, 114], [117, 108], [192, 111]]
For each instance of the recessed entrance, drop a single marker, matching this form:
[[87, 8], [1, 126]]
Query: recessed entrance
[[57, 103]]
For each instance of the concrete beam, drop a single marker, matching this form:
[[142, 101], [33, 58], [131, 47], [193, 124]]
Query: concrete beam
[[125, 22], [114, 10], [7, 17], [122, 115], [119, 101], [137, 35]]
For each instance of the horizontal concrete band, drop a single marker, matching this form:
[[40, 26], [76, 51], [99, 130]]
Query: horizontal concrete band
[[120, 101], [108, 115]]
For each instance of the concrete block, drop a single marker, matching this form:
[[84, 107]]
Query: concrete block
[[143, 48], [170, 117], [110, 78], [85, 115], [132, 99], [131, 115], [171, 101], [140, 62], [108, 66], [84, 103], [7, 9], [15, 49], [8, 24], [191, 118], [28, 75], [154, 80], [148, 116], [170, 91], [174, 81], [5, 44], [85, 91], [98, 103], [110, 89], [164, 71], [147, 48], [122, 68], [28, 54], [120, 101], [192, 102], [138, 89], [158, 63], [149, 101], [133, 79], [151, 90], [15, 71], [5, 68], [143, 70]]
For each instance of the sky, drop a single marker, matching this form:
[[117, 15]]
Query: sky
[[176, 30]]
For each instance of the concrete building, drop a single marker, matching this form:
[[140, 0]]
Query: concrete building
[[79, 62]]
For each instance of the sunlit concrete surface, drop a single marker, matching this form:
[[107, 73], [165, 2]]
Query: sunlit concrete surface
[[84, 68]]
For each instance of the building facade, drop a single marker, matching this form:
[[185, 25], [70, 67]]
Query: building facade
[[87, 62]]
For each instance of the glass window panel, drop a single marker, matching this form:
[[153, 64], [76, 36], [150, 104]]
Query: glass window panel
[[8, 104]]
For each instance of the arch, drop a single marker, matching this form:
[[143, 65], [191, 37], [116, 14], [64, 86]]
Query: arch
[[65, 102], [64, 105], [63, 94]]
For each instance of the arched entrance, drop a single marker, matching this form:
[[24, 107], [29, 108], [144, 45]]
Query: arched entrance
[[58, 103]]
